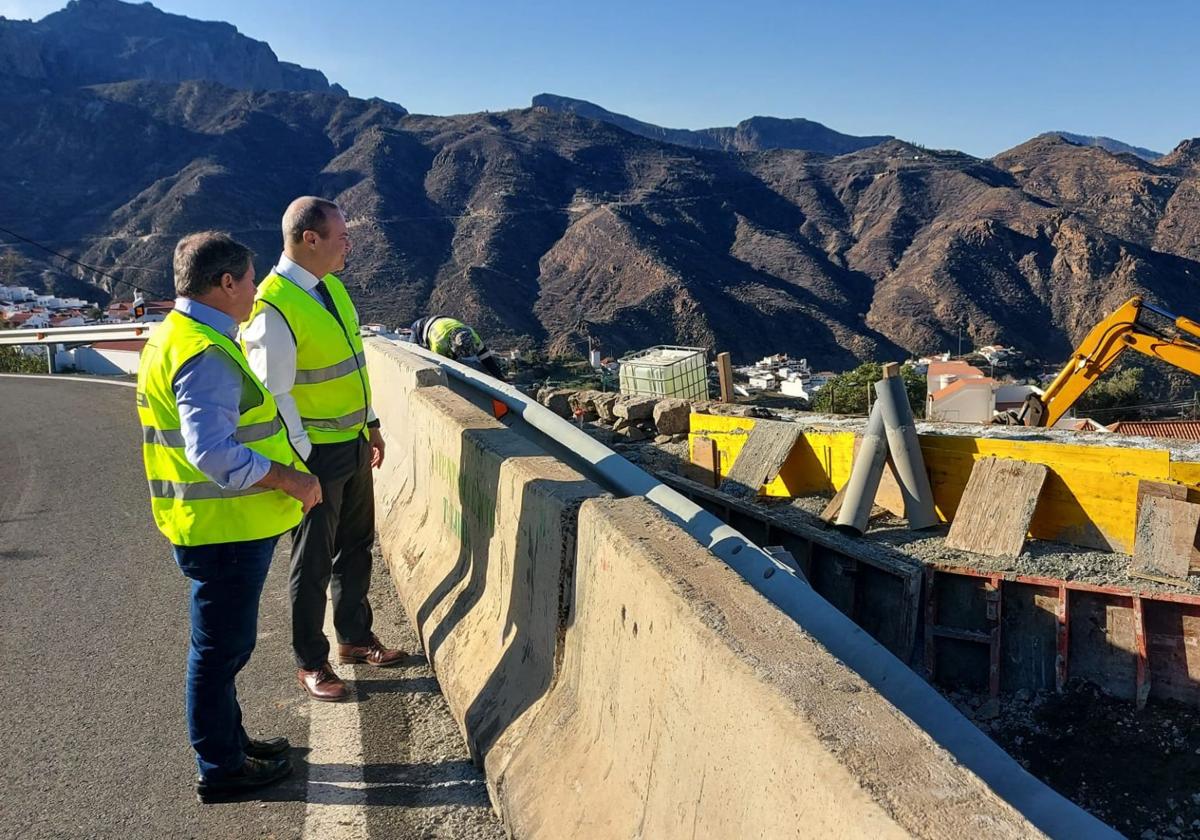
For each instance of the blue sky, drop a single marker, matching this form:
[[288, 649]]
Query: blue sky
[[969, 75]]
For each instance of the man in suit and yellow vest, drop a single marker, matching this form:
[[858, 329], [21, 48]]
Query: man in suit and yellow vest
[[224, 484], [303, 340]]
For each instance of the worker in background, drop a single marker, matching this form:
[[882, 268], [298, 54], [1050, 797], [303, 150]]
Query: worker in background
[[455, 340], [224, 485], [303, 340]]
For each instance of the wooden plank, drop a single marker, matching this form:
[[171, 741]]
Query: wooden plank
[[888, 496], [725, 376], [706, 462], [1159, 490], [767, 448], [1167, 490], [835, 505], [1166, 532], [996, 508]]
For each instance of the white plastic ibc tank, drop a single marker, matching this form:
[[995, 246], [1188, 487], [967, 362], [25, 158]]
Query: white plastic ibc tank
[[666, 371]]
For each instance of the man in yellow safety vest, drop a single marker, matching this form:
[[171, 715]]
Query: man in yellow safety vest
[[453, 339], [303, 340], [224, 484]]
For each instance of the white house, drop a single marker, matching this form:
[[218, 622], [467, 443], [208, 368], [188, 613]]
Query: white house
[[964, 401], [105, 358], [959, 393]]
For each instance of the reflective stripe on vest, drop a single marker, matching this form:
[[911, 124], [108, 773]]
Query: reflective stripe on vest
[[190, 490], [189, 508], [332, 390], [350, 421], [309, 377]]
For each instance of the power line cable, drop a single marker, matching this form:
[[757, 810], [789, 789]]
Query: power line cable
[[79, 263]]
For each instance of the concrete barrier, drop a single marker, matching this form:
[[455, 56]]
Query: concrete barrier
[[616, 679], [688, 706], [478, 528]]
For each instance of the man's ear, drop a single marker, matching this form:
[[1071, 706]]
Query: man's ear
[[310, 238], [228, 282]]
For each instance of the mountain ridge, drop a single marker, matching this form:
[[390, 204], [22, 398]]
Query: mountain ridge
[[1107, 143], [753, 134], [104, 41]]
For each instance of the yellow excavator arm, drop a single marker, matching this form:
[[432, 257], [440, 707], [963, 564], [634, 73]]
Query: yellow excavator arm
[[1122, 330]]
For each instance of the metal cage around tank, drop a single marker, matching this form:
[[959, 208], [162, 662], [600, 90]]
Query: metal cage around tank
[[666, 371]]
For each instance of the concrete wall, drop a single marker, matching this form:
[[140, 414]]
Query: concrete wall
[[617, 680]]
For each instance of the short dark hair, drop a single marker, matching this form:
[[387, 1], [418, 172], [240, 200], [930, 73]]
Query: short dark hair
[[202, 259], [307, 213]]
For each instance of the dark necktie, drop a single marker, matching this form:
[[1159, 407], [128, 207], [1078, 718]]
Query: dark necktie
[[326, 298]]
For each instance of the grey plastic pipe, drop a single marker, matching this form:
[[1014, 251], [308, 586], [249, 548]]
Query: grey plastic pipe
[[906, 453], [860, 492], [911, 695]]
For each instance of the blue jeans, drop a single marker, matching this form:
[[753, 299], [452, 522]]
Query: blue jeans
[[227, 580]]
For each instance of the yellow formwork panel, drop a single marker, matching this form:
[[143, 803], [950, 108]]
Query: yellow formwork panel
[[728, 432], [819, 463], [1090, 494], [1089, 499]]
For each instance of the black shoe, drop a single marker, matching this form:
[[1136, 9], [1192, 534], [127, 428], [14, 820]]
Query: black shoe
[[268, 748], [255, 773]]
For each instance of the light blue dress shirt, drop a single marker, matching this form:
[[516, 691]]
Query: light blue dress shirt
[[208, 391]]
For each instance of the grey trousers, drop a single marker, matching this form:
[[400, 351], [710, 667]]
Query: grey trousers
[[331, 549]]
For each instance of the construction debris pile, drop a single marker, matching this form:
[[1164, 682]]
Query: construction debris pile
[[631, 418]]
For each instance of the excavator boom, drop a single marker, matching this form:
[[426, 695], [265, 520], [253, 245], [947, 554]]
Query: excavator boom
[[1120, 331]]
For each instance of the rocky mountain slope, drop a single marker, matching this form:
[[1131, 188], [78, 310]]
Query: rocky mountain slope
[[97, 41], [1114, 146], [752, 135], [543, 227]]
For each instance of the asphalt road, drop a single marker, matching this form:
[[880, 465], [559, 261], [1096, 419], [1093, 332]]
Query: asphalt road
[[93, 639]]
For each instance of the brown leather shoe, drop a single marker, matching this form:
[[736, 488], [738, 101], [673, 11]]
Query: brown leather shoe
[[372, 653], [323, 684]]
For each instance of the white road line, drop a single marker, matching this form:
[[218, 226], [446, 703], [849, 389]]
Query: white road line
[[64, 378], [336, 794]]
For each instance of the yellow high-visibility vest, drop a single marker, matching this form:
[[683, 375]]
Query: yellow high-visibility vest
[[189, 508], [440, 330], [332, 390]]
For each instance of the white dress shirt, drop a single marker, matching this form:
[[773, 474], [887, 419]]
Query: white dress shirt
[[271, 352]]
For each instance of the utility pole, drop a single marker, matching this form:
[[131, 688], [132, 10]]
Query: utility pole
[[960, 341]]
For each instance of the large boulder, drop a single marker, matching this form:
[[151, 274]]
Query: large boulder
[[635, 408], [603, 404], [557, 400], [583, 406], [672, 416]]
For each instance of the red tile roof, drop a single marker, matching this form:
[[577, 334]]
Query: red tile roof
[[961, 384], [130, 344], [1174, 429], [956, 368]]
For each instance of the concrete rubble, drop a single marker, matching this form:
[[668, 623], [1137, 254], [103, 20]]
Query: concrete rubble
[[630, 419]]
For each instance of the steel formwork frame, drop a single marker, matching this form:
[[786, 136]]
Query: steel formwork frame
[[1142, 642], [1131, 644]]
